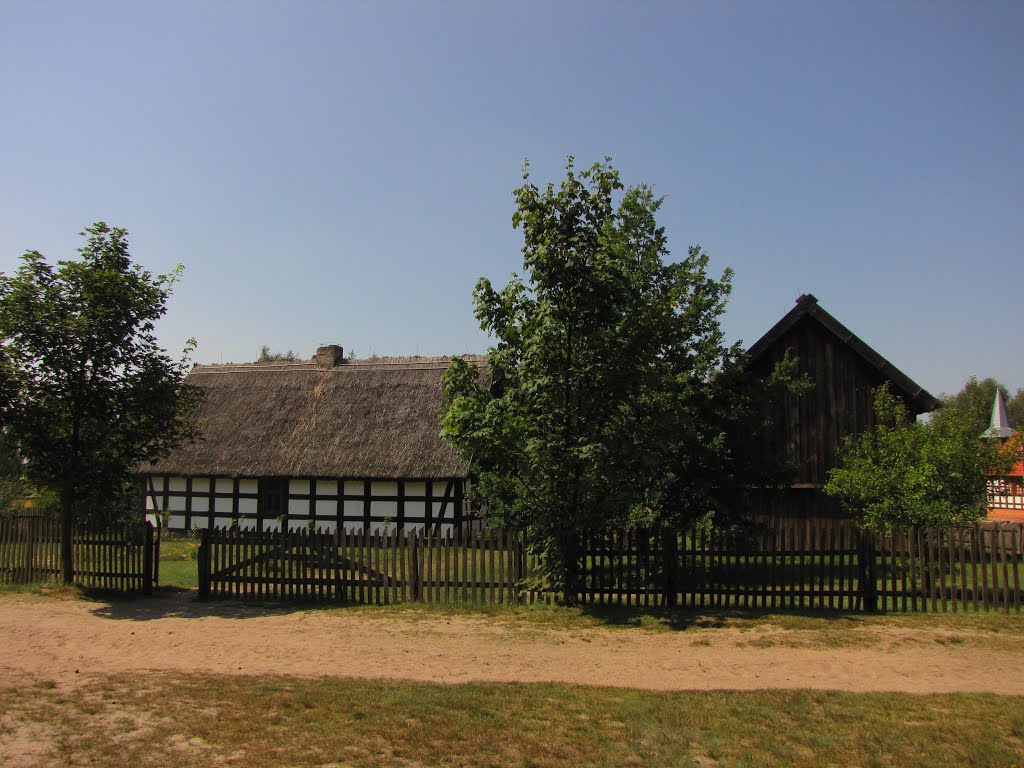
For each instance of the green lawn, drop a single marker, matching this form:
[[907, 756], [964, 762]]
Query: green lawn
[[179, 565], [204, 720]]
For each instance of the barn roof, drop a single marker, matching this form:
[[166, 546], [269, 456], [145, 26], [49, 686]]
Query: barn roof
[[807, 306], [377, 418]]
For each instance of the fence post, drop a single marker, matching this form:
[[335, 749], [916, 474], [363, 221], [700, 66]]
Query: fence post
[[414, 569], [868, 588], [147, 560], [204, 565], [669, 557], [572, 569]]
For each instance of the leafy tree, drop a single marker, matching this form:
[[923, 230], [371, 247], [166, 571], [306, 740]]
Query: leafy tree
[[975, 400], [84, 387], [610, 396], [1015, 410], [266, 356], [905, 473], [12, 485]]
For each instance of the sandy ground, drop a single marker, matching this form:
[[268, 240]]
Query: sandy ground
[[70, 640]]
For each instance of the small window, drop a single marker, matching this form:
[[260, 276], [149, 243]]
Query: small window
[[273, 496]]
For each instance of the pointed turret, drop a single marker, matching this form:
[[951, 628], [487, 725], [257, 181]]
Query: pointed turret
[[999, 426]]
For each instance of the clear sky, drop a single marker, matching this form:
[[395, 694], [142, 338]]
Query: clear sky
[[342, 171]]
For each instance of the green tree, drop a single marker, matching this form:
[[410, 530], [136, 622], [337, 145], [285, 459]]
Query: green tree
[[87, 393], [1015, 409], [12, 485], [905, 473], [610, 396], [974, 402]]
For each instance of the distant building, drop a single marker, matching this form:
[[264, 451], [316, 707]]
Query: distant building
[[327, 442], [1005, 494], [809, 429]]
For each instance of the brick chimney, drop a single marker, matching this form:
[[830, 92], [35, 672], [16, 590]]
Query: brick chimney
[[328, 356]]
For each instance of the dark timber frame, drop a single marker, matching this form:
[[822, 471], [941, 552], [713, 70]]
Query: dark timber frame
[[209, 501]]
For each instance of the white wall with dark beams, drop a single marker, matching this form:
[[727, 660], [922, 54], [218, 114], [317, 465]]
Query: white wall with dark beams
[[298, 503]]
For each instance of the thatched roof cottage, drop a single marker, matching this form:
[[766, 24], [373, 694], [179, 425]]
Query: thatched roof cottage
[[328, 442]]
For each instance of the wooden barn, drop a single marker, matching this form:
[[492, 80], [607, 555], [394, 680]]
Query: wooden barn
[[809, 430], [327, 442]]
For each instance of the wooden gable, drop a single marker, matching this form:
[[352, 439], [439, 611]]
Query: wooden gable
[[810, 429]]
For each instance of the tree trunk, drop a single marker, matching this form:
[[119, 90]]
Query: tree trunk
[[67, 527], [571, 568]]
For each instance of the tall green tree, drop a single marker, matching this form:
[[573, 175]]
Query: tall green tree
[[974, 402], [85, 389], [610, 395], [905, 473], [1015, 409]]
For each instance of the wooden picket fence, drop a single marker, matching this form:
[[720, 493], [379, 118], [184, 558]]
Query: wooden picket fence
[[808, 565], [123, 557], [363, 566]]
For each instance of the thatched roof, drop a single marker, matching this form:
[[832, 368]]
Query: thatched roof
[[377, 418]]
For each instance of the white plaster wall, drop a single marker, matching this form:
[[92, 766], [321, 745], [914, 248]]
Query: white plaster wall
[[224, 485], [298, 486], [384, 488], [177, 484], [326, 487], [248, 486], [384, 508], [326, 507]]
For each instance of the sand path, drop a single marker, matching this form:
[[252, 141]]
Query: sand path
[[68, 640]]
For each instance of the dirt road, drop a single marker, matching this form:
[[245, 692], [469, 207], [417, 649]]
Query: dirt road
[[68, 640]]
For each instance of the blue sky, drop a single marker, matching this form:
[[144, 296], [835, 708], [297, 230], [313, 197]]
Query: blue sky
[[342, 172]]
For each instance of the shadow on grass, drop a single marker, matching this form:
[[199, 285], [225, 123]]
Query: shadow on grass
[[682, 619], [184, 603], [172, 602]]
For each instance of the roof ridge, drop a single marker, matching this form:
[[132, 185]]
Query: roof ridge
[[363, 363], [807, 306]]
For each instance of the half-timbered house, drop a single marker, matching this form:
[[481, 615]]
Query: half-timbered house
[[809, 430], [325, 443]]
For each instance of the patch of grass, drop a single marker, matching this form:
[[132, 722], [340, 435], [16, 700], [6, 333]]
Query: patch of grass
[[52, 589], [179, 566], [123, 721]]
